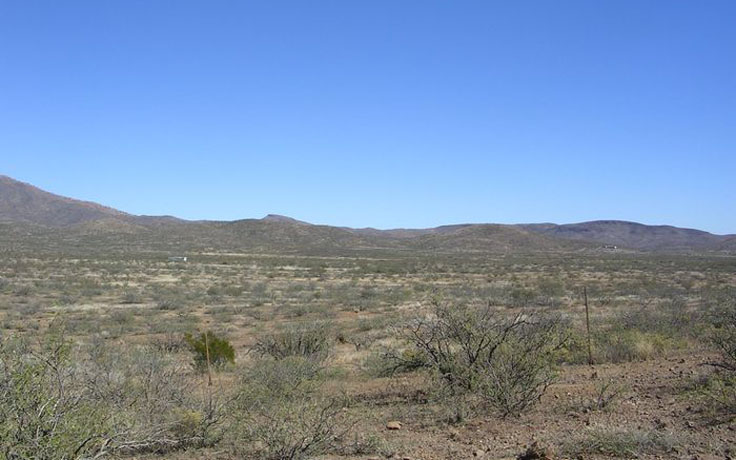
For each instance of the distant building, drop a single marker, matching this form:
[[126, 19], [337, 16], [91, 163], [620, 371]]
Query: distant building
[[608, 246], [177, 259]]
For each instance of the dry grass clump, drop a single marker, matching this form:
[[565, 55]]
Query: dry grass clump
[[646, 332], [620, 442]]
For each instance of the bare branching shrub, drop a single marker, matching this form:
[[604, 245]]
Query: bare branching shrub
[[724, 337], [719, 396], [311, 341], [282, 413], [43, 414], [721, 390], [169, 343], [61, 400], [389, 361], [166, 304], [607, 396], [507, 363], [131, 297], [150, 394]]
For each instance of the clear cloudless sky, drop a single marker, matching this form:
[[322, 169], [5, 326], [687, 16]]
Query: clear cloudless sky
[[393, 113]]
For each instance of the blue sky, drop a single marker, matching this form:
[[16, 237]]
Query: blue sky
[[377, 113]]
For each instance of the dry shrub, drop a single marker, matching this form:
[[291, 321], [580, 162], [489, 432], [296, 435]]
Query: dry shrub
[[623, 442], [721, 388], [311, 341], [504, 363], [61, 400], [282, 413]]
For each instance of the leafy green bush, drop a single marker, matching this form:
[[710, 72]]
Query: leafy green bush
[[208, 346]]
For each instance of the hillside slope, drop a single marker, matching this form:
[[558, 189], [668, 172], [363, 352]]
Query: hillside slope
[[33, 218], [21, 202], [633, 235]]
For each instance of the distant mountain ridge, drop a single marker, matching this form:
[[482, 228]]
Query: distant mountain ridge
[[21, 202], [280, 218], [633, 235], [28, 210]]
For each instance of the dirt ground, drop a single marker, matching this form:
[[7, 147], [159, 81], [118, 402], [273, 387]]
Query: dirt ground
[[648, 405]]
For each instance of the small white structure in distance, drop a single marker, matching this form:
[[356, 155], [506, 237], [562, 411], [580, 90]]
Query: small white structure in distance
[[177, 259]]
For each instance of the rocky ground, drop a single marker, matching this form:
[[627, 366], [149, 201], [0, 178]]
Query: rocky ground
[[649, 409]]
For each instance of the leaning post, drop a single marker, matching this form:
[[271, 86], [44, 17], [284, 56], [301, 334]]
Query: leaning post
[[587, 325]]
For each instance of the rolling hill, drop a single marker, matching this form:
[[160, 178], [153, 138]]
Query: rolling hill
[[33, 218], [634, 235], [21, 202]]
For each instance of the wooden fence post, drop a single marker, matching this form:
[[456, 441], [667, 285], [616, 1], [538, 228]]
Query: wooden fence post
[[587, 325]]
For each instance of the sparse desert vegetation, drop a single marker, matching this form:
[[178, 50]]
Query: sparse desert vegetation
[[381, 355], [501, 230], [505, 230]]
